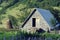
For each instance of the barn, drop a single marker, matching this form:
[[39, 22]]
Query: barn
[[39, 19]]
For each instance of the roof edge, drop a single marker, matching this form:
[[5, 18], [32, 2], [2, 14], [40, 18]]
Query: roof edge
[[28, 18]]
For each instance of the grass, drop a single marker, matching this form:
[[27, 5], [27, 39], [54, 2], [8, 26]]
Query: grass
[[7, 34], [17, 33], [17, 12]]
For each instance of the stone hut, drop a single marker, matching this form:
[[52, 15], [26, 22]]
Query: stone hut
[[39, 18]]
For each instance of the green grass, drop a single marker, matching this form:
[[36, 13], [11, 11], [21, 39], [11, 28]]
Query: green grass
[[17, 33], [7, 35]]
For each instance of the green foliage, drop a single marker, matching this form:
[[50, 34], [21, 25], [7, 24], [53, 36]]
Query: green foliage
[[7, 34], [55, 11], [49, 35], [53, 22], [13, 20], [25, 34]]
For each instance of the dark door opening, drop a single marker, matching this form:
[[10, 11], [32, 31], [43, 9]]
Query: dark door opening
[[33, 22]]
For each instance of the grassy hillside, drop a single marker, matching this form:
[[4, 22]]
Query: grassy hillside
[[18, 10]]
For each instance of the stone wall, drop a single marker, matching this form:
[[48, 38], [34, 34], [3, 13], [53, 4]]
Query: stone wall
[[40, 22]]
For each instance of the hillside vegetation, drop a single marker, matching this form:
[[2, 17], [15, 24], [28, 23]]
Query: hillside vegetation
[[18, 10]]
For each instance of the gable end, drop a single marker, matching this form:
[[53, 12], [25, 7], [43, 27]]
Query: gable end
[[28, 17]]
